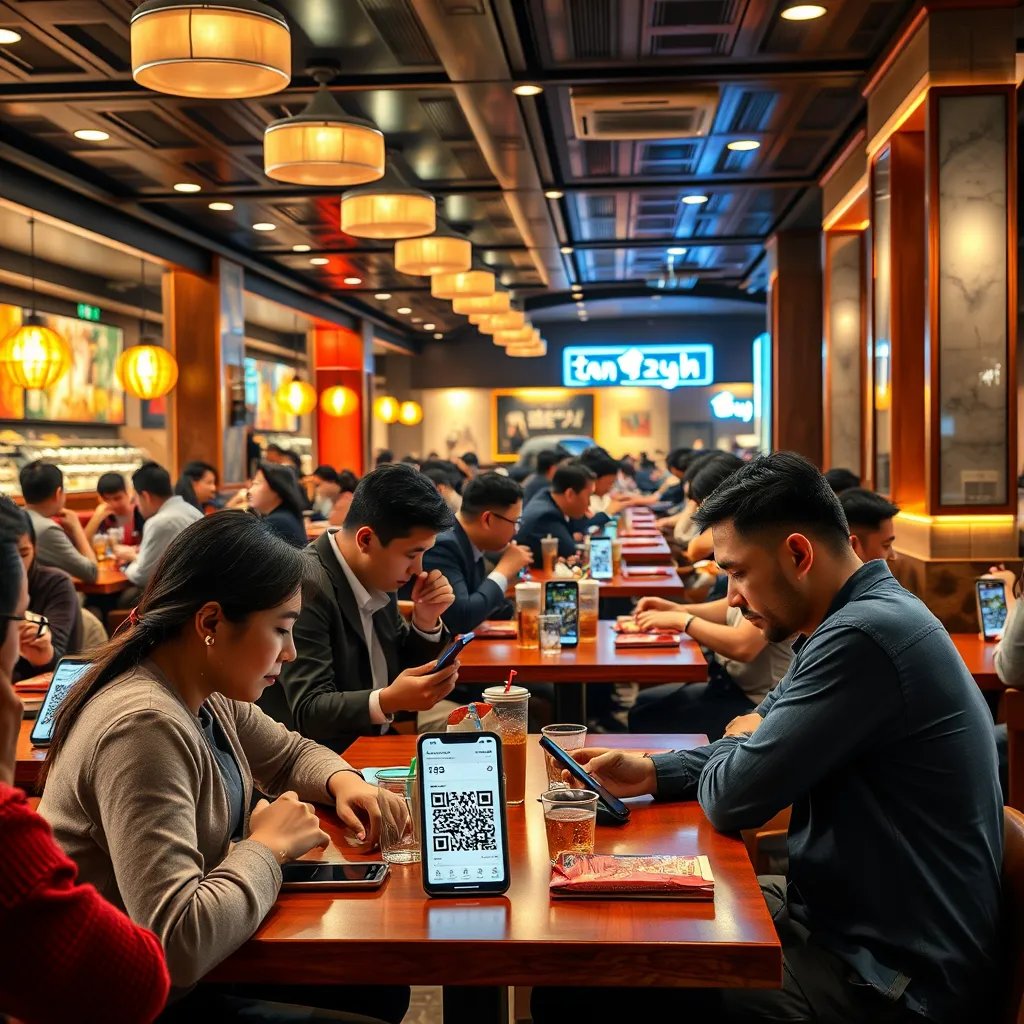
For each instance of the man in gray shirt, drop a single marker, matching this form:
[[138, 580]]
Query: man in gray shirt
[[63, 546]]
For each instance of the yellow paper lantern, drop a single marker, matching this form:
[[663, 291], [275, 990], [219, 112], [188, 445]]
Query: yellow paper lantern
[[499, 302], [388, 208], [339, 401], [34, 356], [147, 371], [385, 409], [296, 397], [231, 49], [468, 284], [440, 253], [410, 413]]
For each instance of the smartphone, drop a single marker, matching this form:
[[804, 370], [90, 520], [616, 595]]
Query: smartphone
[[462, 814], [601, 558], [451, 652], [65, 675], [303, 874], [991, 595], [610, 809], [563, 597]]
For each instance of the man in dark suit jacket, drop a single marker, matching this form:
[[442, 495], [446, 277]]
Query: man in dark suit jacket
[[548, 460], [358, 661], [552, 512]]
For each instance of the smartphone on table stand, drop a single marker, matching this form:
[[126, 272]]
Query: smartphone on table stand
[[563, 597], [992, 609]]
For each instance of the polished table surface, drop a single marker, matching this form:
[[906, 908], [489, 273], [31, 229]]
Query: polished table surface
[[667, 584], [651, 549], [979, 657], [109, 580], [398, 935]]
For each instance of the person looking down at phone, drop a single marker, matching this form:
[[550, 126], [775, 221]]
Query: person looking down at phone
[[553, 512], [870, 516], [158, 747], [879, 739], [359, 663]]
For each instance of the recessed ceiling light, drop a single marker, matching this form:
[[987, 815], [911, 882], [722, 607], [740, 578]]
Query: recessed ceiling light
[[804, 12], [353, 280], [566, 250], [222, 207], [697, 199], [528, 90], [8, 36], [403, 310], [264, 226], [383, 296], [676, 250], [429, 327], [91, 135], [580, 304], [417, 319], [187, 186], [301, 247], [743, 145], [553, 193], [438, 337], [319, 261]]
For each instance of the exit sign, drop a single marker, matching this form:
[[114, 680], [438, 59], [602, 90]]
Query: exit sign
[[87, 312]]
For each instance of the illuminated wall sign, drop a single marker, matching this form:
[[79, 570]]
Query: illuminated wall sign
[[87, 312], [726, 406], [637, 366]]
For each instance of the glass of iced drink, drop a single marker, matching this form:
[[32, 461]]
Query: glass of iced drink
[[590, 598], [510, 709], [527, 614], [548, 552], [568, 737], [570, 820]]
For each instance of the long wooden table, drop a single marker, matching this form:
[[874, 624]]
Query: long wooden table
[[109, 580], [646, 551], [398, 935], [979, 657], [667, 584]]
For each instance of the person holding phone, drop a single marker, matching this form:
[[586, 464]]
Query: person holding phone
[[157, 751], [99, 965]]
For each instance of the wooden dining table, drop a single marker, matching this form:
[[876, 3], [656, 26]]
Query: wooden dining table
[[663, 581], [646, 550], [477, 948], [109, 580], [979, 657]]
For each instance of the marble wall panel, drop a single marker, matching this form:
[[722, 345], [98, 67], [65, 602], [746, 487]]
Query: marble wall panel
[[844, 351]]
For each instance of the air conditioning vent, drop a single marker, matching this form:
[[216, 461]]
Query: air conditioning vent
[[603, 114]]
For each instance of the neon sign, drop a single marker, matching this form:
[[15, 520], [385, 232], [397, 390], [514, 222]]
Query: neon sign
[[638, 366]]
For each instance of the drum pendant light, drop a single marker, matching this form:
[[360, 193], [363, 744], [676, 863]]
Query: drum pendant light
[[410, 413], [521, 337], [389, 208], [232, 49], [499, 302], [386, 409], [323, 145], [530, 351], [443, 252], [469, 284], [34, 356], [510, 321]]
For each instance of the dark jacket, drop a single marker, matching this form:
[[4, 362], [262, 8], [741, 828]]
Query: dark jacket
[[288, 526], [537, 484], [540, 518], [51, 593], [476, 597], [325, 693]]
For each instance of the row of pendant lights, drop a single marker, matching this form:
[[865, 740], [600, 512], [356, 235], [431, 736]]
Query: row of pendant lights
[[298, 397]]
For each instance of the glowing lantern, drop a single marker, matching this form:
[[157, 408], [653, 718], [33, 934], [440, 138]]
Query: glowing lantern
[[147, 371], [388, 208], [469, 284], [443, 252], [410, 413], [33, 356], [499, 302], [296, 397], [386, 409], [339, 401]]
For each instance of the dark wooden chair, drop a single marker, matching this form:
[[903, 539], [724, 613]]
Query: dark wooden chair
[[1012, 1011], [1013, 705]]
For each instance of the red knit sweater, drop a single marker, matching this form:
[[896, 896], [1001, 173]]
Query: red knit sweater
[[65, 953]]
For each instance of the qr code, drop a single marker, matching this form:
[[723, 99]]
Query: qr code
[[60, 691], [463, 821]]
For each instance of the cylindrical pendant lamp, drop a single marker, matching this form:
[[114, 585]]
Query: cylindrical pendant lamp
[[513, 320], [520, 337], [468, 284], [499, 302], [444, 252], [388, 208]]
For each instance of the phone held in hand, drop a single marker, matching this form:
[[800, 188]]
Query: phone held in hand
[[992, 610], [610, 809], [562, 597], [451, 652], [65, 675], [302, 874]]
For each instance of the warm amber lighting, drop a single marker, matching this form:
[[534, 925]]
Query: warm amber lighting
[[520, 337], [229, 50], [410, 413], [33, 356], [499, 302], [513, 320], [147, 371], [339, 401], [389, 208], [296, 397], [385, 409], [469, 284], [803, 12], [528, 351], [446, 253]]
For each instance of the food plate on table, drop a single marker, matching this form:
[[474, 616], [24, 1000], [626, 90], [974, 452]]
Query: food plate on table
[[646, 640]]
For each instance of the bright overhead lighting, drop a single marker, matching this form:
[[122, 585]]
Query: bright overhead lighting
[[353, 280], [743, 145], [319, 261], [383, 296], [301, 247], [697, 199], [264, 226], [676, 250], [187, 186], [804, 12], [8, 36], [528, 90], [222, 207], [403, 310], [438, 337], [91, 135], [417, 319], [553, 193], [429, 327], [566, 250]]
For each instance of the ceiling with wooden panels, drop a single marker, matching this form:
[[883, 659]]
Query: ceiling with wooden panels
[[437, 76]]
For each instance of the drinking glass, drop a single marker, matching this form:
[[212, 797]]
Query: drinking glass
[[549, 552], [510, 709], [550, 628], [590, 599], [617, 556], [568, 737], [398, 801], [116, 536], [99, 545], [527, 613], [570, 820]]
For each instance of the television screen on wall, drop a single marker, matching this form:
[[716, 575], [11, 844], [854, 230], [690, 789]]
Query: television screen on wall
[[262, 379], [88, 392]]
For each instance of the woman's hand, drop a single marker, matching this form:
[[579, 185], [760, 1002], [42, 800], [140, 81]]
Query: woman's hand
[[287, 827], [356, 804]]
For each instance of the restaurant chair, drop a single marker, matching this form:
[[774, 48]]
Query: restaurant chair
[[1013, 703], [1012, 1011], [766, 846]]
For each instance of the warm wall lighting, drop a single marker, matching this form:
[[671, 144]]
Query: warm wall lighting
[[33, 356], [410, 413], [469, 284], [442, 253], [803, 12], [229, 50], [499, 302], [147, 371], [388, 208], [296, 397], [743, 145], [385, 409], [91, 135], [339, 401]]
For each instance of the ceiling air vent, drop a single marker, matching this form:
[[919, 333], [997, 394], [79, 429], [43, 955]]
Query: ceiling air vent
[[662, 114]]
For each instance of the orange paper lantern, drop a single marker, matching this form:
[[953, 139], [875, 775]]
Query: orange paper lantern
[[339, 401], [147, 371]]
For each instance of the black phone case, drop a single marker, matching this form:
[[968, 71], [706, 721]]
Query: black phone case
[[606, 813]]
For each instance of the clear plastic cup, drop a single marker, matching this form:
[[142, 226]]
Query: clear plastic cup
[[568, 737], [399, 816], [549, 552], [527, 613], [570, 820], [550, 629], [511, 711], [590, 600]]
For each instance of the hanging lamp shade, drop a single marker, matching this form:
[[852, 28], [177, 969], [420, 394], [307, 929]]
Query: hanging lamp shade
[[521, 337], [389, 208], [443, 252], [339, 401], [385, 409], [410, 413], [530, 351], [33, 356], [296, 397], [232, 49], [513, 320], [499, 302], [468, 284], [147, 371]]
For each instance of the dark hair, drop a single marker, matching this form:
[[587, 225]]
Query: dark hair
[[778, 491], [713, 472], [282, 482], [110, 483], [842, 479], [39, 481], [437, 476], [454, 475], [348, 481], [489, 491], [695, 462], [470, 459], [599, 462], [12, 526], [865, 508], [152, 478], [571, 476], [232, 558], [385, 456], [679, 458], [548, 457], [328, 474], [394, 500], [17, 522], [191, 474]]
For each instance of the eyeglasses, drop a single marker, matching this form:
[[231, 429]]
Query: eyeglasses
[[41, 622], [517, 522]]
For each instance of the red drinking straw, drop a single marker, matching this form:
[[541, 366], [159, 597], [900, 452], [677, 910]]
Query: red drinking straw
[[508, 683]]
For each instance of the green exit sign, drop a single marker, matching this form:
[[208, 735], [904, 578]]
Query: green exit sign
[[87, 312]]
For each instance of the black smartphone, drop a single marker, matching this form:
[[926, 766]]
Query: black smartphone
[[563, 597], [303, 874], [601, 558], [65, 675], [462, 814], [451, 652], [610, 809], [992, 611]]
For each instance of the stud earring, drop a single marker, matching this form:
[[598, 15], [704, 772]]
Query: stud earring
[[209, 641]]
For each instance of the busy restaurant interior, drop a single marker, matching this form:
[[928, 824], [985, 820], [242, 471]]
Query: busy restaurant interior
[[510, 511]]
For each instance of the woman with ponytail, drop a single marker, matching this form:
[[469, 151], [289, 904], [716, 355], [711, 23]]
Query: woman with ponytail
[[157, 751]]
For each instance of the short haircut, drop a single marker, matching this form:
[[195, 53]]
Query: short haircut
[[453, 475], [489, 491], [328, 474], [437, 476], [679, 458], [548, 457], [470, 459], [694, 463], [571, 476], [348, 481], [865, 509], [781, 491], [712, 473], [110, 483], [396, 499], [39, 481], [384, 456], [599, 462], [152, 478], [842, 479]]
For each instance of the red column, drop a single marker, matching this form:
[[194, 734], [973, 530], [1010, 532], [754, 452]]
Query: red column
[[338, 358]]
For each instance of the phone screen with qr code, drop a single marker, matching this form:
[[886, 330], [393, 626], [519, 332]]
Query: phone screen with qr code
[[462, 807], [65, 675]]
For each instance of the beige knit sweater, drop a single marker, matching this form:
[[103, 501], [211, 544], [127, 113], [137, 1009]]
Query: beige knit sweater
[[136, 799]]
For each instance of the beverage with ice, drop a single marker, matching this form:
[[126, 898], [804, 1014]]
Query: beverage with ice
[[527, 613], [590, 596], [510, 710], [570, 820]]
